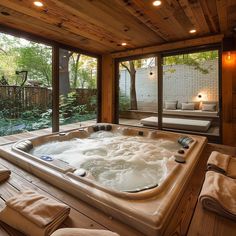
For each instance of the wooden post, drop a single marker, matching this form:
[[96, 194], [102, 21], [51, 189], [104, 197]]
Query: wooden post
[[159, 88], [108, 89], [55, 88]]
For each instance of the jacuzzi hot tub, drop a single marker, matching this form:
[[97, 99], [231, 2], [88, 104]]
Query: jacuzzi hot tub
[[136, 175]]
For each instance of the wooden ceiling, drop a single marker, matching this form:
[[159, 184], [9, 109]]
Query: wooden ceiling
[[100, 26]]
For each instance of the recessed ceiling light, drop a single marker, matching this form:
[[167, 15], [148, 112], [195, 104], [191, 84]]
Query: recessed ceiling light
[[123, 44], [192, 31], [156, 3], [38, 4]]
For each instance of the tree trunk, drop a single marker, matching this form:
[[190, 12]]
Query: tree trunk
[[133, 97], [64, 83], [76, 71]]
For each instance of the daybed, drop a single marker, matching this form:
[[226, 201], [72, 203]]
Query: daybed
[[178, 123]]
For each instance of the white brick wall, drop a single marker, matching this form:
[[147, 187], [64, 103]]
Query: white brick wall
[[180, 82]]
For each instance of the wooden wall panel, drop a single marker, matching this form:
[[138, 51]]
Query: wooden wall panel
[[228, 98], [108, 88]]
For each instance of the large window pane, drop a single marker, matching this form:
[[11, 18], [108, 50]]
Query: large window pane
[[25, 85], [78, 88], [138, 91]]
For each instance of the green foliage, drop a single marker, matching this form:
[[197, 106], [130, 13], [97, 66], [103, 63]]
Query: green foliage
[[124, 102], [195, 60], [20, 54]]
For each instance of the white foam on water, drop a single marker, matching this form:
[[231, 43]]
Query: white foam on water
[[123, 163]]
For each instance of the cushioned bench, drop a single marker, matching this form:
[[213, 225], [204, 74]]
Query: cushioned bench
[[178, 123], [197, 113]]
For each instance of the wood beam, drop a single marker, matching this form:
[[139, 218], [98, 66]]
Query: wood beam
[[171, 46]]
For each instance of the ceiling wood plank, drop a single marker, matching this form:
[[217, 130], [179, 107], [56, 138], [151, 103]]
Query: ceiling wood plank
[[209, 15], [112, 17], [29, 24], [66, 21], [163, 18], [222, 12], [195, 12], [144, 18]]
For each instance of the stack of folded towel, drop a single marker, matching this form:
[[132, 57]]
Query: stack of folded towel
[[4, 174], [83, 232], [34, 214], [222, 163], [219, 194]]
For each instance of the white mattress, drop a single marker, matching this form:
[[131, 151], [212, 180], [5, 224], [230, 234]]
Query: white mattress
[[178, 123], [197, 113]]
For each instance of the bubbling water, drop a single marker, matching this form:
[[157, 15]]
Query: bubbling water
[[123, 163]]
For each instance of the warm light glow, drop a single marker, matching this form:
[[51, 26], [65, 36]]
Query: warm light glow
[[38, 4], [202, 96], [192, 31], [156, 3], [124, 44], [228, 57]]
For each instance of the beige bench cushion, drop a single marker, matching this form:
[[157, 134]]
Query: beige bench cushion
[[178, 123]]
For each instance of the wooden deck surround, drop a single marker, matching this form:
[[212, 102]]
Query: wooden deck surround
[[189, 218]]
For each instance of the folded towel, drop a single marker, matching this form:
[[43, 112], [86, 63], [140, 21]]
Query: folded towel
[[218, 162], [222, 163], [4, 174], [83, 232], [31, 212], [231, 172], [219, 194]]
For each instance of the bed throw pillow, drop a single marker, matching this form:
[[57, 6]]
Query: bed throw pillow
[[171, 105], [209, 107], [188, 106]]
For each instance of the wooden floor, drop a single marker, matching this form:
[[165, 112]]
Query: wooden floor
[[189, 218]]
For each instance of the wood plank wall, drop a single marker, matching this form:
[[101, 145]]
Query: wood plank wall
[[229, 97]]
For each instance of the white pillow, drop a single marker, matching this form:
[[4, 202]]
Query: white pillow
[[188, 106], [209, 107], [170, 105]]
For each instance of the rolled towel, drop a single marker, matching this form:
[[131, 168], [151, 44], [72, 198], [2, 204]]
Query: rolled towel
[[83, 232], [30, 212], [4, 174], [219, 194], [222, 163]]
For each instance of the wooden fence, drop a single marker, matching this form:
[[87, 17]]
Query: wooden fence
[[17, 99], [26, 97]]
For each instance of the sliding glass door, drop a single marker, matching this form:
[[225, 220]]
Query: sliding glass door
[[188, 86], [191, 93]]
